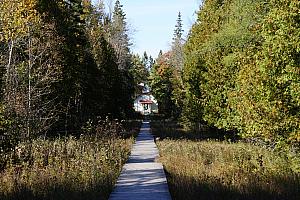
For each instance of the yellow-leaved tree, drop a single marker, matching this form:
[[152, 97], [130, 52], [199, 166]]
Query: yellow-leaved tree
[[30, 67]]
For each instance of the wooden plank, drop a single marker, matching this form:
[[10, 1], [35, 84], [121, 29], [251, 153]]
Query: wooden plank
[[141, 177]]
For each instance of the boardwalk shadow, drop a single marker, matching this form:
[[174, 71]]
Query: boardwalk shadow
[[140, 160], [142, 184], [142, 177]]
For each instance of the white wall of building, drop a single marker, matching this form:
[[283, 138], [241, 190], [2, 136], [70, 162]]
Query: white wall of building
[[139, 107]]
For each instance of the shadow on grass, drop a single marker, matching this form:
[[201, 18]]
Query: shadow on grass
[[172, 130], [190, 188], [271, 184], [62, 192]]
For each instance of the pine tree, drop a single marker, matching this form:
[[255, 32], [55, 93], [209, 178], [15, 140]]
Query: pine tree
[[118, 37], [145, 58], [116, 45], [139, 70], [166, 75], [177, 66], [75, 91], [177, 45], [178, 32], [151, 63], [160, 53]]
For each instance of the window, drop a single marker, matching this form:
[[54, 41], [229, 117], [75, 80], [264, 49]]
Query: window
[[146, 106]]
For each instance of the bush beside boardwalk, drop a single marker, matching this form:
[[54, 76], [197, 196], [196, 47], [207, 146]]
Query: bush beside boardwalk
[[86, 167], [213, 169]]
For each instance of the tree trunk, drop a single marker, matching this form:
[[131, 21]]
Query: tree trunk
[[29, 87], [9, 58]]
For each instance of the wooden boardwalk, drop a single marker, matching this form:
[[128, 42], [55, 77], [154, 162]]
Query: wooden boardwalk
[[142, 178]]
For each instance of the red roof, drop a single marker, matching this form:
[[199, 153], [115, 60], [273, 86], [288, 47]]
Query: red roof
[[145, 101]]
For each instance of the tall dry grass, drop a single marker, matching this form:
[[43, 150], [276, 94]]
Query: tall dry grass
[[86, 167], [212, 169]]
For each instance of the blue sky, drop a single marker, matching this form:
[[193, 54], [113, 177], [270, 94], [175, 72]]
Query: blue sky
[[152, 22]]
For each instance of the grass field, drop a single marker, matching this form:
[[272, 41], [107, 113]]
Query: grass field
[[212, 169], [86, 167]]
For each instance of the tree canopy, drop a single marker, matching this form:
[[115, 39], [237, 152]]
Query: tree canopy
[[63, 63], [241, 63]]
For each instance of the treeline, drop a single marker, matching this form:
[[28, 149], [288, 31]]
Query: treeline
[[241, 69], [166, 75], [63, 63]]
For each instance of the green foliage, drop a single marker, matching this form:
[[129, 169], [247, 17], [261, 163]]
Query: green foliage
[[269, 77], [178, 29], [118, 38], [139, 70], [211, 66], [166, 76], [241, 68], [60, 66], [162, 85], [76, 91]]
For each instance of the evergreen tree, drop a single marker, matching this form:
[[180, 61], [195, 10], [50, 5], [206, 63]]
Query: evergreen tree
[[118, 37], [107, 79], [145, 59], [151, 63], [177, 64], [79, 68], [139, 71], [160, 53], [115, 33], [177, 45], [166, 76], [178, 32], [161, 83]]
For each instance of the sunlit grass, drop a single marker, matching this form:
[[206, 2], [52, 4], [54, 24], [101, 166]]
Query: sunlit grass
[[65, 168], [211, 169]]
